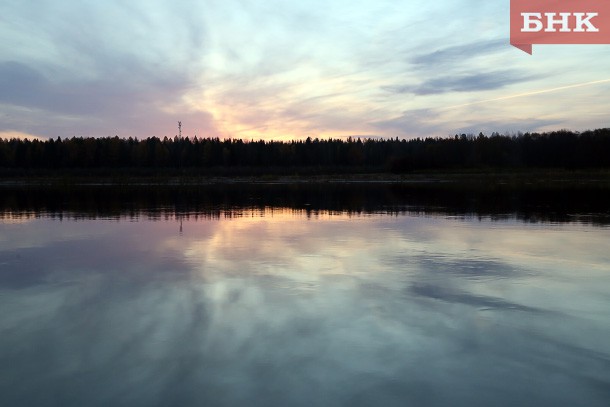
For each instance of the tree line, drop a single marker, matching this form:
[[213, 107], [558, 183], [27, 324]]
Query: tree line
[[557, 149]]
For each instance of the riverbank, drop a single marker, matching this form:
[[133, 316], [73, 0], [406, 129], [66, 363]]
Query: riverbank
[[498, 178]]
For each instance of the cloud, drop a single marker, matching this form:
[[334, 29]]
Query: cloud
[[444, 122], [412, 123], [464, 83], [260, 69], [460, 53], [468, 71], [23, 85], [119, 70], [19, 84], [132, 101]]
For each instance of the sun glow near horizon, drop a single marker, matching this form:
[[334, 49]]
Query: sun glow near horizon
[[10, 134], [283, 71]]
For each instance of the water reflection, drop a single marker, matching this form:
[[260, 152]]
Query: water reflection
[[284, 306], [584, 204]]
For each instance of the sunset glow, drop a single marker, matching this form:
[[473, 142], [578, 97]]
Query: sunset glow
[[286, 70]]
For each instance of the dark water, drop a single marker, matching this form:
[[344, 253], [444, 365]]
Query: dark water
[[304, 295]]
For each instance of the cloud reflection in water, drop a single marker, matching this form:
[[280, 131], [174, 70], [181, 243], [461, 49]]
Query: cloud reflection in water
[[274, 308]]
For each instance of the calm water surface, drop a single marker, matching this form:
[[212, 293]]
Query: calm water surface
[[292, 307]]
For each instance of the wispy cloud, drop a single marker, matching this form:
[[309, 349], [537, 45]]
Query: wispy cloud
[[130, 101], [109, 70], [412, 123], [272, 69], [534, 92], [442, 123], [459, 53], [464, 83], [25, 86]]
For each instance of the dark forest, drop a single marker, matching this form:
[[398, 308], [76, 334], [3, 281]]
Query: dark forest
[[557, 149]]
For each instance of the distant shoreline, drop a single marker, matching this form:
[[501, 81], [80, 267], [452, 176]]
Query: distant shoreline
[[543, 178]]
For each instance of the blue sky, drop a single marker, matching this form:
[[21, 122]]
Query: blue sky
[[277, 69]]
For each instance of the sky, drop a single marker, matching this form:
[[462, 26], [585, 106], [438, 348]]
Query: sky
[[280, 69]]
